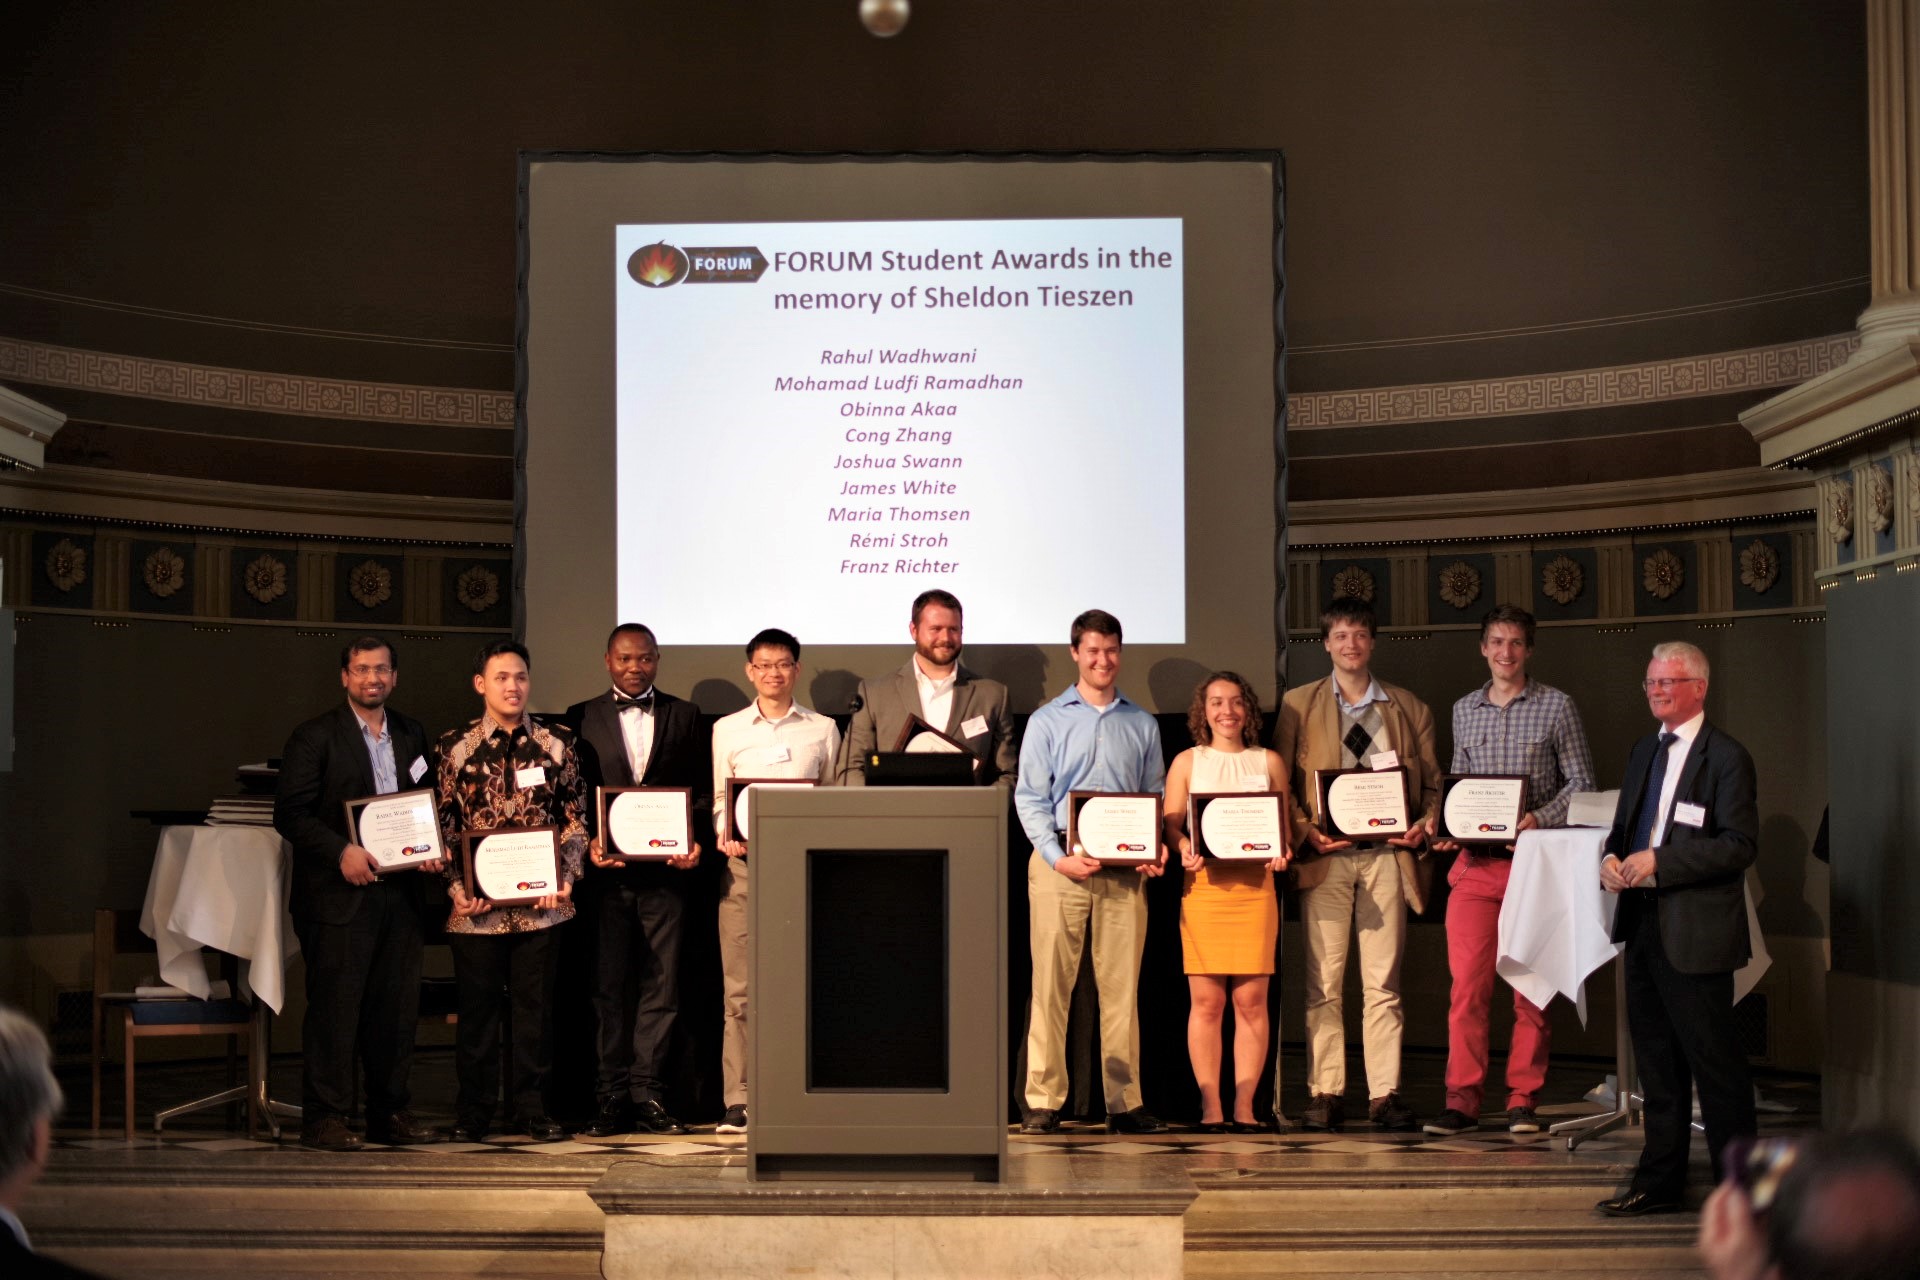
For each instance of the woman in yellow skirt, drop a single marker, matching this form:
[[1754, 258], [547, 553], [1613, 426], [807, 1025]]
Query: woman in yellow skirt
[[1229, 916]]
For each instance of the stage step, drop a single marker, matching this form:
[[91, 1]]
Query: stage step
[[1388, 1225], [142, 1230]]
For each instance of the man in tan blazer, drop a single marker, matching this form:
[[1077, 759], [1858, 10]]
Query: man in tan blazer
[[970, 709], [1353, 720]]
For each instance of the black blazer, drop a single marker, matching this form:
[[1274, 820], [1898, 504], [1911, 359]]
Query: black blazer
[[1700, 899], [680, 757], [325, 764], [17, 1262]]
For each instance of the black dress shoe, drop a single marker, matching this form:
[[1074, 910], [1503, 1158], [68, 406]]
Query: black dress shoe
[[1138, 1120], [1041, 1120], [1242, 1126], [329, 1133], [470, 1129], [1634, 1203], [654, 1118], [615, 1116], [1211, 1126], [399, 1130], [540, 1128]]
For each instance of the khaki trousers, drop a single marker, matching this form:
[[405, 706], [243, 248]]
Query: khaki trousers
[[733, 982], [1360, 889], [1110, 909]]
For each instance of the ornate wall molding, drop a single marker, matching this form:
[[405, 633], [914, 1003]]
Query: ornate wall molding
[[51, 366], [95, 493], [1749, 493], [1688, 377]]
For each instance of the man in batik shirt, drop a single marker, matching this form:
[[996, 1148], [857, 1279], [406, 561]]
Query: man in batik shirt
[[506, 769]]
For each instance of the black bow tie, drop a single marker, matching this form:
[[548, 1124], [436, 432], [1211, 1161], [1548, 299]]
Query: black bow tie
[[644, 702]]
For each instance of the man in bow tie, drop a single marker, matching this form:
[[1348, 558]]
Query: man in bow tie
[[634, 735], [1684, 833]]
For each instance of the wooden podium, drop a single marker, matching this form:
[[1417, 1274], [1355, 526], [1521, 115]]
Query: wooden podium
[[878, 929]]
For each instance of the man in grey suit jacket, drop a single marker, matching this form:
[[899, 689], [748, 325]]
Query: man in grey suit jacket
[[1685, 832], [360, 932], [934, 687]]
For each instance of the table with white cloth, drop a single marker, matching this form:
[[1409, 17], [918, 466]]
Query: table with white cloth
[[225, 887], [1555, 930]]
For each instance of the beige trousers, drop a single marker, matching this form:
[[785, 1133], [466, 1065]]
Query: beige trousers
[[1361, 889], [733, 982], [1110, 910]]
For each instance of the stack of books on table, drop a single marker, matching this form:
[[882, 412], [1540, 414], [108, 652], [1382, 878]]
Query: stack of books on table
[[254, 805]]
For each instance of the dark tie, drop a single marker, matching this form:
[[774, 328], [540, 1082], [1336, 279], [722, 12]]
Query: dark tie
[[644, 702], [1650, 799]]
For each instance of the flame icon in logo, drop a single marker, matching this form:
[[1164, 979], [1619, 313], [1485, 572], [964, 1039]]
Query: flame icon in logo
[[658, 265]]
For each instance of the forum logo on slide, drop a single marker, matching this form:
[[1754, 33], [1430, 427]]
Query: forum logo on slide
[[658, 265]]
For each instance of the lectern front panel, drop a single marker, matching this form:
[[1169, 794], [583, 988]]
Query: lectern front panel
[[877, 970]]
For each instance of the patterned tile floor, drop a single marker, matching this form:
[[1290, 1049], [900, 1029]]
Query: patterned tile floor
[[1787, 1103]]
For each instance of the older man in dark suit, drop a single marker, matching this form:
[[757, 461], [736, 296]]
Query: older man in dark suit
[[937, 690], [360, 932], [635, 735], [1684, 834]]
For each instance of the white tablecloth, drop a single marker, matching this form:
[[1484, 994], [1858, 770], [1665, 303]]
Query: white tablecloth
[[1555, 921], [223, 887]]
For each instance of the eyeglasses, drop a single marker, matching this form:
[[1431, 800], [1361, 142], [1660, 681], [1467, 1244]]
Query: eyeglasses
[[1664, 683], [768, 668], [362, 672]]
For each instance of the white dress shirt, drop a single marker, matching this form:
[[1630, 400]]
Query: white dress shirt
[[1676, 761], [636, 726], [936, 696], [746, 744]]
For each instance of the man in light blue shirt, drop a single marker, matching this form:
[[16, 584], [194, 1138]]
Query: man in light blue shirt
[[1090, 738]]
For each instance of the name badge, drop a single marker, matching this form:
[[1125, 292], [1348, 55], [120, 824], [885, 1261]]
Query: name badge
[[536, 776], [1692, 815], [419, 767], [778, 755], [973, 728], [1385, 760]]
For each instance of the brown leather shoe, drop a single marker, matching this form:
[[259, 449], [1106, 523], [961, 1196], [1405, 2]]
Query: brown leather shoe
[[399, 1130], [1390, 1113], [1326, 1112], [329, 1133]]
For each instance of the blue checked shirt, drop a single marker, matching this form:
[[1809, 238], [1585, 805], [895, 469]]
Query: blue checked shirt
[[1071, 745], [386, 775], [1537, 735]]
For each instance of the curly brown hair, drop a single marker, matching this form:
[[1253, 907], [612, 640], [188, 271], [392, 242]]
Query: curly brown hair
[[1197, 710]]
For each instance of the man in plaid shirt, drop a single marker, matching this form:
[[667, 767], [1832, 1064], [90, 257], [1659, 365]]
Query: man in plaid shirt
[[1517, 726]]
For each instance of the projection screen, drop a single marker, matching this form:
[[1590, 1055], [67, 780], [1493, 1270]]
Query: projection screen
[[795, 391]]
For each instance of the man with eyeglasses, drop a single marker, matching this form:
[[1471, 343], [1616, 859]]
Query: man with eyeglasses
[[359, 932], [773, 737], [1683, 836], [635, 735]]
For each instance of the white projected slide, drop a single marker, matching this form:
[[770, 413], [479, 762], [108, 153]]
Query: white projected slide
[[817, 421]]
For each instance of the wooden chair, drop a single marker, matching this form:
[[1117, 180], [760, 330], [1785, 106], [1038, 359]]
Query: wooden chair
[[118, 933]]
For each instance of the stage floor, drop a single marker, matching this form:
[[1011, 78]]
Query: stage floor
[[201, 1200]]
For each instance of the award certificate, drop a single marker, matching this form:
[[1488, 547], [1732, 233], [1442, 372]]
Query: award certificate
[[1363, 804], [738, 789], [1117, 827], [1248, 825], [646, 824], [400, 830], [1482, 808], [511, 866]]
